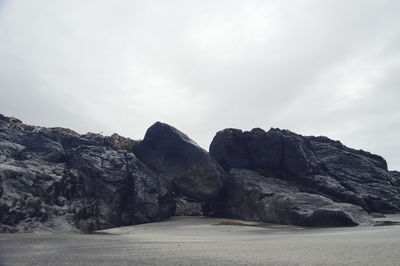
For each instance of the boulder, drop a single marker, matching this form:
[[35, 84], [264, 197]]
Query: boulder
[[194, 175], [320, 165], [306, 209], [251, 196]]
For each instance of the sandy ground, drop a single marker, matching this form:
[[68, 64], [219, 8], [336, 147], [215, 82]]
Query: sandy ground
[[197, 241]]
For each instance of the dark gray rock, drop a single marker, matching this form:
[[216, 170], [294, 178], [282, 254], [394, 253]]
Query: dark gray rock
[[112, 188], [251, 196], [54, 179], [314, 210], [320, 165], [193, 173], [395, 175], [57, 180]]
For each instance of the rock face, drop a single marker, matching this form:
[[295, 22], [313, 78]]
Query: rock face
[[251, 196], [194, 175], [58, 180], [54, 179], [315, 165], [395, 178]]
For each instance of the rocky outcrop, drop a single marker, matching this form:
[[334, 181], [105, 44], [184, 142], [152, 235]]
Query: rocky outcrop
[[316, 164], [194, 175], [251, 196], [54, 179], [58, 180]]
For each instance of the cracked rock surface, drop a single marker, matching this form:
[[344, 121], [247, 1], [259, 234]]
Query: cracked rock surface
[[326, 170], [56, 180]]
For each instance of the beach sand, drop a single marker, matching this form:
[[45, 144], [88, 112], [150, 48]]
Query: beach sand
[[199, 241]]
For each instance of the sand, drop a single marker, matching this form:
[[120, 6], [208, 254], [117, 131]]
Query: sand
[[198, 241]]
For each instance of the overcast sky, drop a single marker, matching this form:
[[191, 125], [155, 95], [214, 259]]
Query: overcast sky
[[315, 67]]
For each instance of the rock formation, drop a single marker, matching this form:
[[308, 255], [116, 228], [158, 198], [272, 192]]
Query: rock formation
[[251, 196], [194, 175], [54, 179], [313, 165], [58, 180]]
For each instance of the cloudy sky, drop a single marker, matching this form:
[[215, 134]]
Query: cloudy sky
[[315, 67]]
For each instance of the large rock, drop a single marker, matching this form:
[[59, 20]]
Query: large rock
[[322, 166], [195, 176], [251, 196], [54, 179], [113, 188], [314, 210]]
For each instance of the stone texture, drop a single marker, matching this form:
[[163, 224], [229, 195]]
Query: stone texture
[[395, 175], [318, 164], [251, 196], [58, 180], [54, 179], [193, 173]]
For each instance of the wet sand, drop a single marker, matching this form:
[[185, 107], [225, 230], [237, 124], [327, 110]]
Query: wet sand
[[197, 241]]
